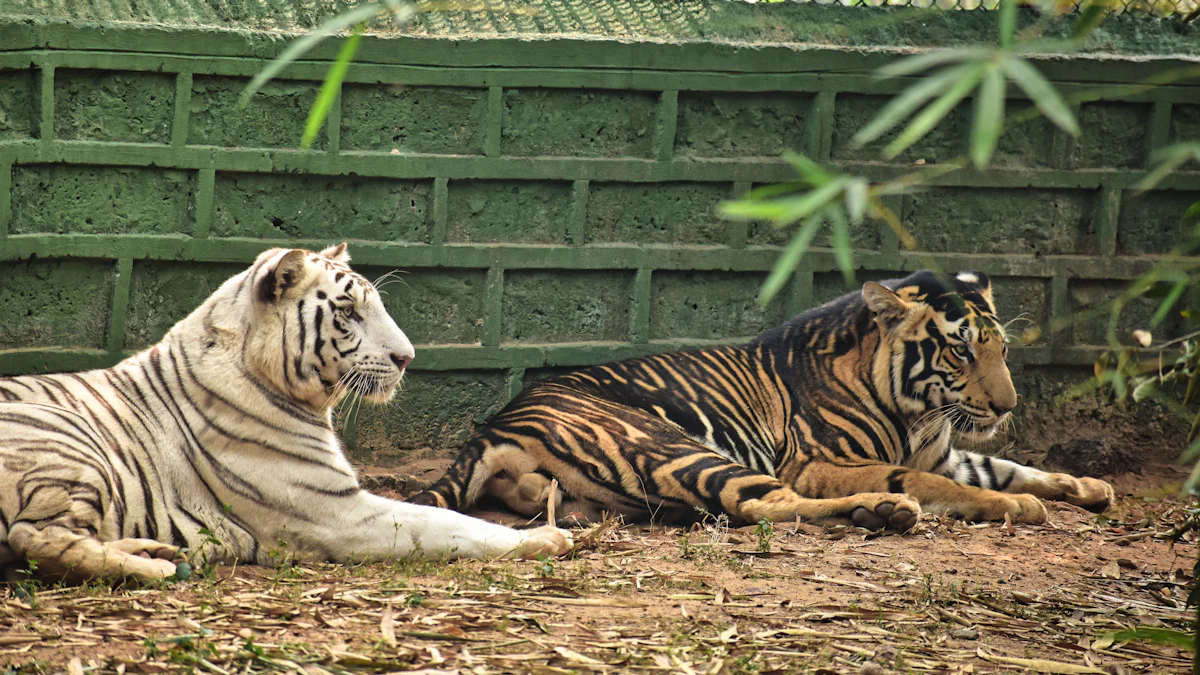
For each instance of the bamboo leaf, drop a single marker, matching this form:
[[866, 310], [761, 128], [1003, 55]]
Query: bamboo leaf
[[1041, 92], [843, 250], [989, 117], [856, 199], [810, 170], [934, 112], [1191, 454], [775, 190], [330, 88], [1092, 15], [789, 260], [908, 101], [915, 64], [1160, 172], [810, 203], [1193, 213], [1144, 389], [751, 210], [304, 44], [1008, 23], [1193, 388], [1168, 302], [1161, 636]]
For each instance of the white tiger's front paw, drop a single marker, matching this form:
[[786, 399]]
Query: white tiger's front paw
[[1092, 494], [545, 540]]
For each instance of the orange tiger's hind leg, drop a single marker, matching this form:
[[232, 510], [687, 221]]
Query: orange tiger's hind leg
[[62, 552]]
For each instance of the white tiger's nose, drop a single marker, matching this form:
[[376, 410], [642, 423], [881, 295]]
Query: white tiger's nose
[[401, 360]]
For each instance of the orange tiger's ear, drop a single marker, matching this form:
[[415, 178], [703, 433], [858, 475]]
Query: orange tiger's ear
[[888, 307], [337, 253], [283, 276]]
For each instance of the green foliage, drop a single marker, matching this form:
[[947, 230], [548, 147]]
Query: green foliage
[[764, 532], [823, 195]]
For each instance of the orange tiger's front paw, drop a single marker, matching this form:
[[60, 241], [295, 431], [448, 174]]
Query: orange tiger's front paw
[[887, 511], [1023, 508]]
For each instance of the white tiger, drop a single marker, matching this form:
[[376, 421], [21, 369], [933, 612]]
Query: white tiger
[[225, 427]]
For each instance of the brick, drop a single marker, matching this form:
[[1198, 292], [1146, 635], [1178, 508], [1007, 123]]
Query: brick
[[309, 206], [535, 375], [740, 125], [863, 236], [525, 212], [852, 112], [17, 104], [1021, 304], [435, 410], [1024, 143], [79, 199], [1001, 221], [1112, 135], [55, 303], [542, 306], [433, 120], [1153, 222], [274, 117], [683, 213], [434, 306], [1091, 304], [578, 123], [1185, 126], [163, 293], [832, 285], [710, 305], [97, 105]]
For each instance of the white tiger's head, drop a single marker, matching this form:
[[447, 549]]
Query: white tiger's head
[[320, 330]]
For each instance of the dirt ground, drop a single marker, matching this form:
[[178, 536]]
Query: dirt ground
[[945, 598]]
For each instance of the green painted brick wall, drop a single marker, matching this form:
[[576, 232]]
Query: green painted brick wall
[[544, 210]]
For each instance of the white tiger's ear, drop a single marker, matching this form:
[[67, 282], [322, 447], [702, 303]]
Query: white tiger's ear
[[337, 253], [283, 276], [888, 307]]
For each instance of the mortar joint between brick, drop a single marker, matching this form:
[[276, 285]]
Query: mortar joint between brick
[[495, 118], [1060, 310], [182, 109], [516, 382], [802, 287], [46, 103], [666, 125], [493, 305], [639, 329], [119, 306], [333, 123], [577, 225], [1108, 214], [6, 171], [819, 128], [441, 211], [205, 201], [1159, 134], [737, 231]]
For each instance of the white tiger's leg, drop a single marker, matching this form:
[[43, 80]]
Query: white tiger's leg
[[376, 528], [62, 552], [1000, 474], [146, 548]]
